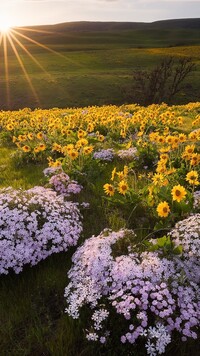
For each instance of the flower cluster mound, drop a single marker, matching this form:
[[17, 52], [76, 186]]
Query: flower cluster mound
[[145, 299], [34, 224]]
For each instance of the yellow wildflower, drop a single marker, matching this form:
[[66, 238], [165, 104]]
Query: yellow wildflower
[[81, 143], [189, 149], [56, 147], [125, 171], [68, 148], [10, 127], [192, 177], [195, 159], [158, 179], [192, 136], [22, 138], [178, 193], [42, 147], [101, 138], [81, 133], [140, 133], [73, 154], [30, 136], [161, 167], [161, 139], [40, 135], [122, 187], [170, 139], [164, 157], [113, 173], [87, 150], [26, 148], [163, 209], [56, 164], [36, 150], [109, 189], [182, 137]]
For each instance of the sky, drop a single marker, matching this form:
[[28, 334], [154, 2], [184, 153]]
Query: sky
[[42, 12]]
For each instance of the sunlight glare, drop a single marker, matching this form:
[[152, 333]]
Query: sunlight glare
[[10, 42], [4, 25]]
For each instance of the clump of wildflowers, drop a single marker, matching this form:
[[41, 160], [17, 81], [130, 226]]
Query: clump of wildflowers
[[152, 295], [33, 225], [187, 234], [128, 154], [62, 184], [104, 155], [49, 171], [119, 184]]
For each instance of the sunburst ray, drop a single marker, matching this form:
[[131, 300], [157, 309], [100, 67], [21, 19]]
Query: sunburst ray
[[13, 39], [33, 30], [29, 54], [38, 44], [7, 80], [23, 68], [1, 38]]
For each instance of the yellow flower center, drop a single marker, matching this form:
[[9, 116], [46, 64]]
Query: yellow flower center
[[123, 187]]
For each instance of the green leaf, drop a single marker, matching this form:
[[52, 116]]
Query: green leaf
[[178, 250], [162, 241]]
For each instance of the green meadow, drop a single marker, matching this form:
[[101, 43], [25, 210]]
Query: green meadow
[[91, 66]]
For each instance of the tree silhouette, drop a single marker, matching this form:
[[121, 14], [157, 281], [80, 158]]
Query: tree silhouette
[[162, 83]]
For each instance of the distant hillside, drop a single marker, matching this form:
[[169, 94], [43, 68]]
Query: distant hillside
[[176, 24], [120, 26], [91, 63]]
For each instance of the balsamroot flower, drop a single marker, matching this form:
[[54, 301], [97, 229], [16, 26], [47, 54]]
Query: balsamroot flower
[[109, 189], [123, 187], [163, 209], [178, 193], [26, 148], [73, 154], [195, 159], [192, 178]]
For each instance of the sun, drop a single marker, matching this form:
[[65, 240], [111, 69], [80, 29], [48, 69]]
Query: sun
[[5, 25]]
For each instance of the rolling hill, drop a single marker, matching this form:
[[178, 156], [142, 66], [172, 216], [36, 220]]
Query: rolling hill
[[90, 63]]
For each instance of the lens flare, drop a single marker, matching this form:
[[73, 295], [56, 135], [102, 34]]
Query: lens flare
[[13, 41], [5, 25]]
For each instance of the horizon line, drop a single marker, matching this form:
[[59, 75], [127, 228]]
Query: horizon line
[[111, 21]]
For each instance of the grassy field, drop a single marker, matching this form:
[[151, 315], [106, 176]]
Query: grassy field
[[91, 67]]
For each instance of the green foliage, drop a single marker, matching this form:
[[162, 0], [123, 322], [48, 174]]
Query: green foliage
[[165, 245]]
